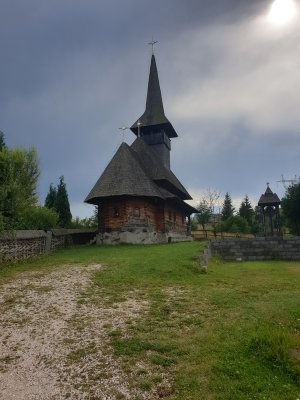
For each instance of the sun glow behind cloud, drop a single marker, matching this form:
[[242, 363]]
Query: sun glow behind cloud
[[282, 12]]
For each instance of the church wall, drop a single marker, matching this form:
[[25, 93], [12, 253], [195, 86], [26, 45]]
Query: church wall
[[153, 214], [131, 212], [141, 220], [175, 219]]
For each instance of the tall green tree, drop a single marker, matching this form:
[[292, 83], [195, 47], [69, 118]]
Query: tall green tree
[[246, 210], [62, 205], [227, 208], [19, 173], [50, 201], [2, 141], [290, 205]]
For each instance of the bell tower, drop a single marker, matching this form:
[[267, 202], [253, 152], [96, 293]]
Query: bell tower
[[153, 126]]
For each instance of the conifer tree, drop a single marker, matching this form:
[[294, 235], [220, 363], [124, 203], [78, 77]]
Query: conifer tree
[[227, 209], [62, 205], [291, 208], [2, 141], [246, 210], [50, 201]]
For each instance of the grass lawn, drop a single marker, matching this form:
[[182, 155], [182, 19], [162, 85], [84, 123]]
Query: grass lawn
[[233, 333]]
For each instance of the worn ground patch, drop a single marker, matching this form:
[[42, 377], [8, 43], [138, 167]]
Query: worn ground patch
[[55, 341]]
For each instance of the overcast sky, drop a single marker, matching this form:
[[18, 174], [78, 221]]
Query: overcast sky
[[73, 71]]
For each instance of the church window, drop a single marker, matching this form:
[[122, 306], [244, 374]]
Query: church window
[[170, 215], [116, 212], [136, 212], [174, 216]]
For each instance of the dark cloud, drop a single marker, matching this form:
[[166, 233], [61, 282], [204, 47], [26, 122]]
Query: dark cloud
[[72, 72]]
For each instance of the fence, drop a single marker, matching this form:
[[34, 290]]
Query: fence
[[209, 234], [20, 245]]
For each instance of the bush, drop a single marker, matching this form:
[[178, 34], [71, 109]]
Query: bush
[[39, 218], [235, 224]]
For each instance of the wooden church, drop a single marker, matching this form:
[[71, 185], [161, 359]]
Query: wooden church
[[139, 199]]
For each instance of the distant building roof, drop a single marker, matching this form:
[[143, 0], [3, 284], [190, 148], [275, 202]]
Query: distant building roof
[[269, 198]]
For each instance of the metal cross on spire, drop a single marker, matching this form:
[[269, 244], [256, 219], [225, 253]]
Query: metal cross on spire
[[152, 43], [123, 129], [139, 126]]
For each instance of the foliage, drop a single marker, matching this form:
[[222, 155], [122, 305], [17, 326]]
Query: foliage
[[57, 199], [90, 222], [227, 209], [194, 224], [246, 210], [50, 200], [2, 141], [38, 218], [235, 224], [291, 208], [204, 213], [207, 208], [19, 172], [257, 221], [62, 205], [232, 333]]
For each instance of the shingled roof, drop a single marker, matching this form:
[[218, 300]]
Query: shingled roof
[[124, 175], [269, 198], [154, 114], [157, 171], [137, 171]]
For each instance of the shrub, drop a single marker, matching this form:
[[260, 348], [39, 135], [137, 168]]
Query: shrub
[[39, 218]]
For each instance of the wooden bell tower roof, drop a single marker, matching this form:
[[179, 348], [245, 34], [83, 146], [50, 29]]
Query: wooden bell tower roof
[[154, 118], [269, 198]]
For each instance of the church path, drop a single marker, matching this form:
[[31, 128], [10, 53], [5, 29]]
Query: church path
[[55, 340]]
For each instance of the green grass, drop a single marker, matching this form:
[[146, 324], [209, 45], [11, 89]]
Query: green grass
[[233, 333]]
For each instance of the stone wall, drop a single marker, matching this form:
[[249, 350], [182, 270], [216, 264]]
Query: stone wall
[[139, 236], [21, 245], [284, 248]]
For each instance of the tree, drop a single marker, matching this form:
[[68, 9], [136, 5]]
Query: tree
[[2, 141], [50, 200], [235, 224], [62, 205], [246, 210], [19, 173], [204, 213], [290, 205], [227, 209]]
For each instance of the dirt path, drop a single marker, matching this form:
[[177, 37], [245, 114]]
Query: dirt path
[[54, 344]]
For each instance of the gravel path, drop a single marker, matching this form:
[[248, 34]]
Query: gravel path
[[54, 343]]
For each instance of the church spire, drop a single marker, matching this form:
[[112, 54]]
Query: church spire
[[154, 118]]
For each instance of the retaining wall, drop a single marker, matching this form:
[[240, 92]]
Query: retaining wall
[[284, 248]]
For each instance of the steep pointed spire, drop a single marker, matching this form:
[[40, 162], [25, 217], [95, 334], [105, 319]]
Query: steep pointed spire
[[154, 115]]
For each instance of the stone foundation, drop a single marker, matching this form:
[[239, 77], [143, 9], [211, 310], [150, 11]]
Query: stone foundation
[[139, 236], [261, 248]]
